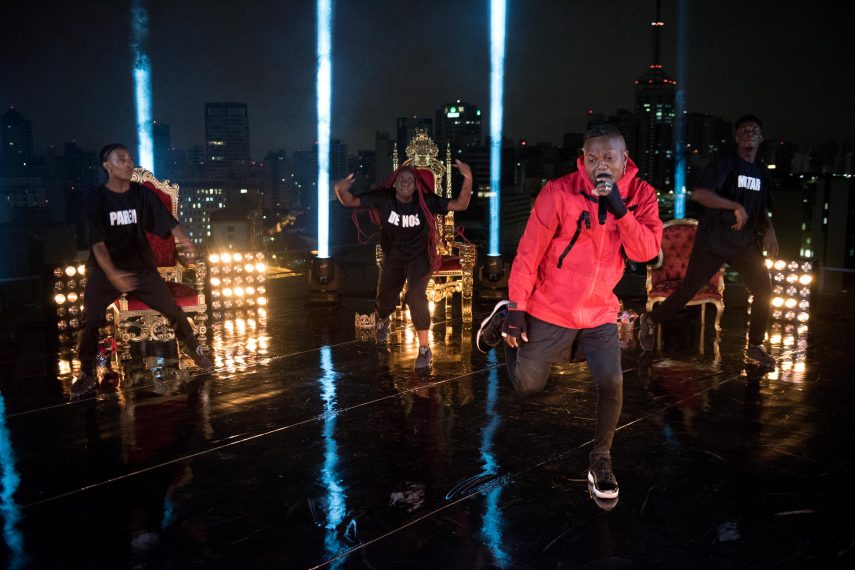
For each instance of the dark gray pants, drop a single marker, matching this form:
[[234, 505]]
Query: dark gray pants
[[751, 266], [393, 274], [529, 366], [151, 290]]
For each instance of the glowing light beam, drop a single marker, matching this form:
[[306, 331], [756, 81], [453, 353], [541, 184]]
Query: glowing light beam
[[491, 523], [336, 497], [9, 482], [498, 13], [324, 93], [680, 110], [142, 84]]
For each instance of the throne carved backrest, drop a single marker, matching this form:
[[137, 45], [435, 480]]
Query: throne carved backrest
[[678, 240], [422, 153], [163, 249]]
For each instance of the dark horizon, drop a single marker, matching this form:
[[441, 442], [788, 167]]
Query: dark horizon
[[70, 67]]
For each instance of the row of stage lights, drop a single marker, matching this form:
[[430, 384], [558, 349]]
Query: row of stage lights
[[788, 331], [68, 286], [238, 285], [791, 281]]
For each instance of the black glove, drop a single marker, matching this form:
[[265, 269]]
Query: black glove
[[514, 324], [615, 203]]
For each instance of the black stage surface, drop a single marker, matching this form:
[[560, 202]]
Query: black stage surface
[[309, 448]]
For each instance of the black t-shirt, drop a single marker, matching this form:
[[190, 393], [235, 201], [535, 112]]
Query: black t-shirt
[[404, 230], [748, 184], [120, 220]]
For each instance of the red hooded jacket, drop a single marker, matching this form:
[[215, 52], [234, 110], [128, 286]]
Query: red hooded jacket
[[567, 264]]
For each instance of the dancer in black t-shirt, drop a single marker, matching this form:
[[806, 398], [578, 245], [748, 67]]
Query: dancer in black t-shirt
[[118, 215], [736, 193], [406, 206]]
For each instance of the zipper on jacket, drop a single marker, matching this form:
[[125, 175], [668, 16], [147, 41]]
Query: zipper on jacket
[[583, 217]]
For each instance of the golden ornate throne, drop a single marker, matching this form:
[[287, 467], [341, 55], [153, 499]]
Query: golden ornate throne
[[135, 321], [457, 269]]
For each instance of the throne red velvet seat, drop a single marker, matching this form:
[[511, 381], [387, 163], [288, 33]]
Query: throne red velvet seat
[[132, 318], [664, 278]]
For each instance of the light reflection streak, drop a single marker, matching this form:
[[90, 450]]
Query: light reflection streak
[[240, 344], [8, 485], [491, 527], [336, 497]]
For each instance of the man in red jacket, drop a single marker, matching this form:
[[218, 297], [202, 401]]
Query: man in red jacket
[[582, 229]]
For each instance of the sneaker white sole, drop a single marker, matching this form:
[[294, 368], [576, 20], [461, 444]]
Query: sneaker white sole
[[496, 309], [601, 494]]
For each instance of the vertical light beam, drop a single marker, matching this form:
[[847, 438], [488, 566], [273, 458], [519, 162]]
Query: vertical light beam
[[142, 84], [680, 110], [498, 12], [324, 88]]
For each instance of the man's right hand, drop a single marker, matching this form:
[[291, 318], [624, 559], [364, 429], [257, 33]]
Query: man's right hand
[[514, 328], [741, 218], [124, 281]]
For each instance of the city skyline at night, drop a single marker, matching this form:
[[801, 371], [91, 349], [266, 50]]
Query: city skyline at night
[[561, 61]]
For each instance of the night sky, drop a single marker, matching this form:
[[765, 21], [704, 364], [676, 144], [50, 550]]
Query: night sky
[[66, 65]]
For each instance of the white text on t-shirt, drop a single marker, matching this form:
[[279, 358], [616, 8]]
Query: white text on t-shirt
[[123, 217], [406, 220], [748, 182]]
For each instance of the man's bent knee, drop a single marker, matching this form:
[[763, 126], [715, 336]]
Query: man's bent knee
[[528, 382]]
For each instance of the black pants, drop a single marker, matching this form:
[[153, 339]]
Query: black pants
[[416, 273], [151, 290], [529, 366], [751, 266]]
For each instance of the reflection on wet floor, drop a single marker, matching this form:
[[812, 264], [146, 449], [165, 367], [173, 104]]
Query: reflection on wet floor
[[309, 447], [240, 344]]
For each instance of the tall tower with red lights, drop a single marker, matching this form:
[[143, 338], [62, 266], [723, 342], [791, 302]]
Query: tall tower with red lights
[[654, 110]]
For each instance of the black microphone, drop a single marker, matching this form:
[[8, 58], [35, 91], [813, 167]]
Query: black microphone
[[602, 210]]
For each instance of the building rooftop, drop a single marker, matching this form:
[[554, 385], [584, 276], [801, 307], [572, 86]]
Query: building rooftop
[[308, 447]]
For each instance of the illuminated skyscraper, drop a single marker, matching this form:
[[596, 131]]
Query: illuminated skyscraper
[[227, 136], [654, 110], [460, 124]]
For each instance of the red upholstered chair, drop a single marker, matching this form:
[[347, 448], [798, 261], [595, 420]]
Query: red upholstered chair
[[133, 319], [664, 278], [456, 273]]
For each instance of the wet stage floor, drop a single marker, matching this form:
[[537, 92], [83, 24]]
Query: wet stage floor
[[309, 448]]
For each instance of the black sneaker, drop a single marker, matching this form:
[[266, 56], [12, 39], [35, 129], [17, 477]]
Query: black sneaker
[[200, 359], [490, 333], [381, 328], [646, 332], [601, 477], [425, 358], [759, 355], [85, 384]]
